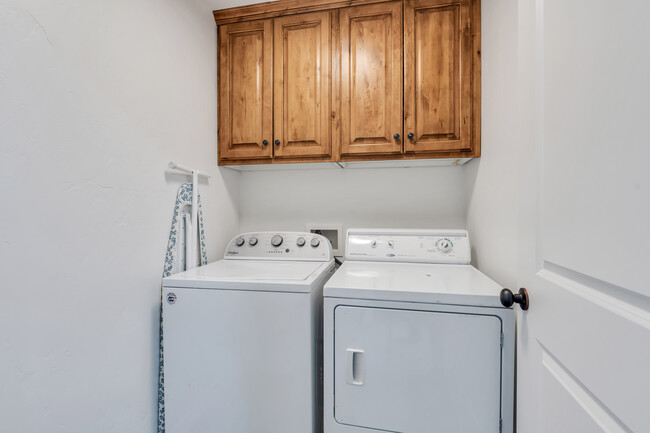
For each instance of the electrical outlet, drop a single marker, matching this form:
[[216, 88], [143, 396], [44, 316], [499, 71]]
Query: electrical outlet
[[333, 232]]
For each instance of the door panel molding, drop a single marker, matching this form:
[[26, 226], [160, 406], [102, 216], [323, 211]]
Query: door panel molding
[[626, 303], [600, 341], [585, 399]]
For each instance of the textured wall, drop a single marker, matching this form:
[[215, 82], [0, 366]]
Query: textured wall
[[492, 185], [431, 197], [95, 98]]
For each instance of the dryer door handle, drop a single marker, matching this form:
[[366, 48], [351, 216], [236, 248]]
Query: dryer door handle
[[354, 367]]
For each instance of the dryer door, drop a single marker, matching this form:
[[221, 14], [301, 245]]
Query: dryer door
[[417, 371]]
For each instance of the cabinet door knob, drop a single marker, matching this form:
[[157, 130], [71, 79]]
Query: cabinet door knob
[[277, 142], [265, 142], [396, 136], [410, 135]]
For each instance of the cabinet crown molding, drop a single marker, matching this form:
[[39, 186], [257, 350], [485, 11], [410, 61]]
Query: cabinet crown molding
[[280, 8]]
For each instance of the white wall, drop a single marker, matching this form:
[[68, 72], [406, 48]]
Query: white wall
[[431, 197], [492, 186], [95, 98]]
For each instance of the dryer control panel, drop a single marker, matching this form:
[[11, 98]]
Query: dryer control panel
[[408, 246], [300, 246]]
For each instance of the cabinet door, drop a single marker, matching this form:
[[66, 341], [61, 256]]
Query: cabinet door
[[438, 75], [371, 79], [302, 85], [245, 92]]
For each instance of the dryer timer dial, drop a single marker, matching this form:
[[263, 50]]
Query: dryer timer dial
[[444, 245]]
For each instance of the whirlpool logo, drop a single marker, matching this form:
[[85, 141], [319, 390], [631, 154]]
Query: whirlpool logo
[[171, 298]]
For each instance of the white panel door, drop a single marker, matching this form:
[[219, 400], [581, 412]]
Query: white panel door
[[584, 344], [417, 371]]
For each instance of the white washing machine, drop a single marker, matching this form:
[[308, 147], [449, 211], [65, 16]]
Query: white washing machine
[[242, 337], [416, 339]]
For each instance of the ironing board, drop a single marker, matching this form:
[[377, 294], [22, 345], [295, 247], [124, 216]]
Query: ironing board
[[172, 258]]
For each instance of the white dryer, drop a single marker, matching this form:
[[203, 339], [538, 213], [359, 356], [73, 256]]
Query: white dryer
[[416, 339], [242, 337]]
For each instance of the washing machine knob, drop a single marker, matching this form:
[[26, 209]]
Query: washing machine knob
[[276, 240], [315, 242], [252, 241], [239, 241], [373, 244], [300, 241]]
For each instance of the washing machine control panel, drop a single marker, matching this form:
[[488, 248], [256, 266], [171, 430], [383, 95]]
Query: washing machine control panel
[[279, 246], [409, 246]]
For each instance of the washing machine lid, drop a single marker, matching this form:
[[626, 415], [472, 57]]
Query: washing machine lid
[[257, 275], [414, 282]]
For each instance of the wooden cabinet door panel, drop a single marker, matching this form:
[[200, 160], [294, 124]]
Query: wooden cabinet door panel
[[245, 92], [371, 79], [302, 50], [438, 75]]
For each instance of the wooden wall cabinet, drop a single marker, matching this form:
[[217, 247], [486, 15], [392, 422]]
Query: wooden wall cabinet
[[438, 95], [301, 85], [354, 80], [371, 79], [245, 91], [274, 89]]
